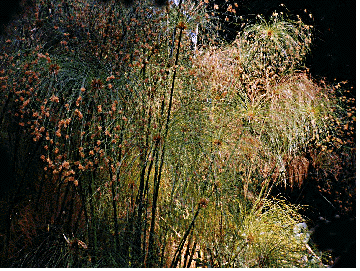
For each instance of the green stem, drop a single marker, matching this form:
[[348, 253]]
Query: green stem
[[177, 255], [158, 170]]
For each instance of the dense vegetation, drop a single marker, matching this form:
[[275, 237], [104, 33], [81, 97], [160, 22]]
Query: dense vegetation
[[137, 137]]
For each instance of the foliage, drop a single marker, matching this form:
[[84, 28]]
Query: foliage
[[146, 148], [277, 46], [260, 237]]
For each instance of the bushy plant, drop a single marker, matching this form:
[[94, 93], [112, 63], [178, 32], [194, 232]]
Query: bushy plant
[[262, 236], [101, 115], [273, 47], [150, 148]]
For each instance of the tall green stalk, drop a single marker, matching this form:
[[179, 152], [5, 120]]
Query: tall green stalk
[[158, 171]]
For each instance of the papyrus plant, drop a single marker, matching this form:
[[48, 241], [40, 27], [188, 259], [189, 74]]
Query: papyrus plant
[[270, 48]]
